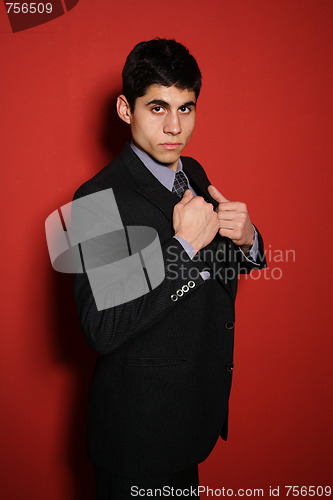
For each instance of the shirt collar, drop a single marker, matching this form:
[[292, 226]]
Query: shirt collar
[[164, 174]]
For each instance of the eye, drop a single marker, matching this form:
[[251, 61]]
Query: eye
[[184, 109], [158, 109]]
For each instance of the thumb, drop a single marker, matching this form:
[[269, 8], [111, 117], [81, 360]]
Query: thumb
[[215, 193], [187, 196]]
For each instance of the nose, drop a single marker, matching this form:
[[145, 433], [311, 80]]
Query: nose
[[172, 124]]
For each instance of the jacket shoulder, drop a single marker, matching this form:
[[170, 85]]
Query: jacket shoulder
[[111, 176]]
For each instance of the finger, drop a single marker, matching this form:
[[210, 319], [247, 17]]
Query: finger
[[228, 233], [228, 226], [187, 196], [215, 194], [231, 205], [228, 215]]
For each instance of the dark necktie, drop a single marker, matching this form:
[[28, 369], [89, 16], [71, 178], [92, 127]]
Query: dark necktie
[[180, 184]]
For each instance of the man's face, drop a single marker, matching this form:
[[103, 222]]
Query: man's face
[[162, 122]]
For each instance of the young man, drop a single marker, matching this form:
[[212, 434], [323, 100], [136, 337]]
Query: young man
[[159, 395]]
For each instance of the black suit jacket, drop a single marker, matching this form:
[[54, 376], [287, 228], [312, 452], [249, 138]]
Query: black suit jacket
[[159, 395]]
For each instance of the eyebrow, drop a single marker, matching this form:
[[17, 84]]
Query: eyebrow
[[160, 102]]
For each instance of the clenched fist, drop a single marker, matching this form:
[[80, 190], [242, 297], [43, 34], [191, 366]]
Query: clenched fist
[[234, 220], [195, 220]]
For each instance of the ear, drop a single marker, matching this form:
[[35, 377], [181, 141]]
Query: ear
[[123, 109]]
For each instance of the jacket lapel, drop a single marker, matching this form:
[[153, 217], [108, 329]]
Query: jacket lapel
[[148, 186], [198, 179]]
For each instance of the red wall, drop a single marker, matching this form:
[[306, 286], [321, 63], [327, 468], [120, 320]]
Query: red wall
[[264, 135]]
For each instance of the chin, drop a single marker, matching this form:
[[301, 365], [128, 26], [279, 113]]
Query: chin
[[167, 158]]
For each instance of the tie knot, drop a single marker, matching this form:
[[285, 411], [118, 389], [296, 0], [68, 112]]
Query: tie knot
[[180, 184]]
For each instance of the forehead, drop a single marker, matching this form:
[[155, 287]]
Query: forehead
[[172, 95]]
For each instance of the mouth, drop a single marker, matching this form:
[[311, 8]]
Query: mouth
[[171, 145]]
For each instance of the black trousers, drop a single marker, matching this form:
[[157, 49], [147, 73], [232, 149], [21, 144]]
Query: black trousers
[[112, 487]]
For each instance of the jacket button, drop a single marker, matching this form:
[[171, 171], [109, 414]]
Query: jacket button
[[185, 288], [174, 297], [229, 325], [230, 367], [180, 292], [191, 284]]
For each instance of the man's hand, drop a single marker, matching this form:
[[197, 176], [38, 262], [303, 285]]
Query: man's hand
[[234, 220], [195, 221]]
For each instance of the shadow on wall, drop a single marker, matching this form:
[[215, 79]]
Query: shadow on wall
[[114, 132], [70, 346], [72, 351]]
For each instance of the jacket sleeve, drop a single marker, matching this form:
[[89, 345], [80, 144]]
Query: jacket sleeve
[[105, 330], [246, 265]]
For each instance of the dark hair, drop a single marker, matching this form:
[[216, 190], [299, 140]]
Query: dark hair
[[159, 62]]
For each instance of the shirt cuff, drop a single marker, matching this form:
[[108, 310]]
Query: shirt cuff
[[253, 252], [190, 252], [187, 246]]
